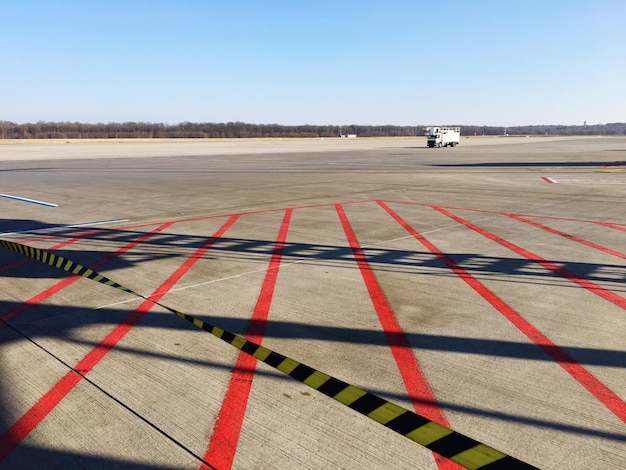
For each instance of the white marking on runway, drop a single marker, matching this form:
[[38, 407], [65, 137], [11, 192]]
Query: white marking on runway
[[583, 180], [84, 224], [25, 199]]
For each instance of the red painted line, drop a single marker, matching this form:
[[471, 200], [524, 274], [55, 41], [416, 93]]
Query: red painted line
[[38, 298], [26, 260], [205, 217], [552, 217], [421, 394], [598, 389], [568, 236], [555, 268], [280, 209], [615, 226], [55, 247], [31, 419], [14, 265], [223, 444], [469, 209], [261, 211], [549, 180], [534, 216], [80, 234], [126, 227]]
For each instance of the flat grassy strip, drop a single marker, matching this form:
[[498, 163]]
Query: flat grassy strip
[[455, 446]]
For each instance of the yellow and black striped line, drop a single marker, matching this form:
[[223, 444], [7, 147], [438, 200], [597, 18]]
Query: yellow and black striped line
[[444, 441]]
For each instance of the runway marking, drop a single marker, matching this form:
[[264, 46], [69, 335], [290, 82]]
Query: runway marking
[[598, 389], [223, 444], [31, 419], [53, 248], [555, 268], [448, 443], [416, 384], [56, 227], [13, 436], [613, 225], [582, 180], [43, 295], [25, 199], [569, 237], [255, 271], [546, 346]]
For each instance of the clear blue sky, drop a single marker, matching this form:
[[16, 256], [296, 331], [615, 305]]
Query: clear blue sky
[[402, 62]]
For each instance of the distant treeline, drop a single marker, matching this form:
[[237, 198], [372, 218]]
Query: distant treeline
[[77, 130]]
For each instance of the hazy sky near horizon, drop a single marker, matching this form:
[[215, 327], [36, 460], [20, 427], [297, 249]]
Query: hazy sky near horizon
[[401, 62]]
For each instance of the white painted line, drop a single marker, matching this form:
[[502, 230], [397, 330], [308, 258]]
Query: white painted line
[[84, 224], [191, 286], [583, 180], [32, 201], [282, 265]]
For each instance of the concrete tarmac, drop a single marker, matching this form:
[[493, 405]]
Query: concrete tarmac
[[482, 286]]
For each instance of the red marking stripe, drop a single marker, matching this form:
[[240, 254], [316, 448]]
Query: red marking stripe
[[421, 395], [468, 209], [55, 247], [584, 377], [555, 268], [568, 236], [615, 226], [36, 299], [223, 445], [610, 399], [31, 419]]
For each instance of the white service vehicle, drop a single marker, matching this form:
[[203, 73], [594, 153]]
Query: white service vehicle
[[439, 136]]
